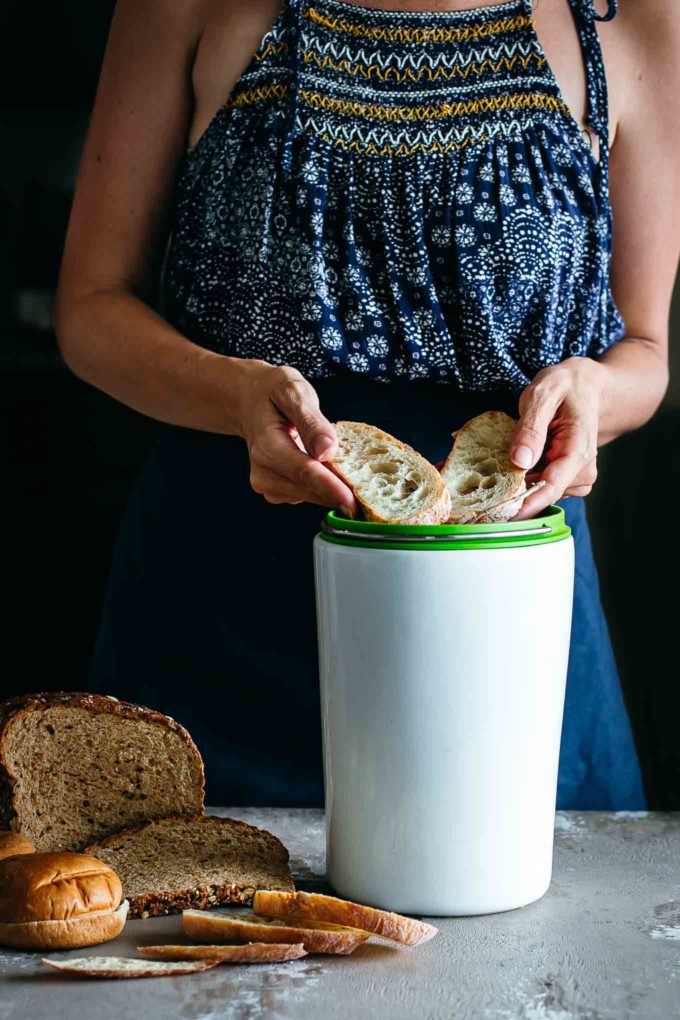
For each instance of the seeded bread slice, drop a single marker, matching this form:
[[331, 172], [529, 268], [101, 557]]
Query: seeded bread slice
[[479, 473], [172, 864], [75, 767], [392, 483]]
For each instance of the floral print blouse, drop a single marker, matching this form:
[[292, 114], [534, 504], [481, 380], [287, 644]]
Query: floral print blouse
[[399, 195]]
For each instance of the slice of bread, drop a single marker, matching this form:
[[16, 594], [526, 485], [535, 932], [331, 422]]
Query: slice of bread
[[206, 926], [316, 907], [174, 863], [392, 483], [253, 953], [484, 484], [121, 967], [75, 767]]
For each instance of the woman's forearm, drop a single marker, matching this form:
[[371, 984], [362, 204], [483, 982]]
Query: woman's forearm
[[114, 341], [632, 386]]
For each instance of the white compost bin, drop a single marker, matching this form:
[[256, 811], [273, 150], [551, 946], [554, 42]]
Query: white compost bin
[[443, 661]]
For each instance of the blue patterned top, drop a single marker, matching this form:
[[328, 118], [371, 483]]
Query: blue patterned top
[[399, 195]]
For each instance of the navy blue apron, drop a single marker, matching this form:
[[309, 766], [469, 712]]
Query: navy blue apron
[[210, 616]]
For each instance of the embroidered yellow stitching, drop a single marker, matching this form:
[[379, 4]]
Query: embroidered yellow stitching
[[403, 149], [519, 101], [271, 48], [417, 35], [249, 96], [384, 74]]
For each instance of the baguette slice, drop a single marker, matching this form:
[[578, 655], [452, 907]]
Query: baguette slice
[[252, 953], [171, 864], [122, 967], [210, 927], [315, 907], [479, 473], [75, 767], [392, 483]]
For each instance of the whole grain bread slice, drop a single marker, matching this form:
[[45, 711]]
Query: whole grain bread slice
[[209, 926], [392, 483], [75, 767], [484, 484], [305, 906], [171, 864]]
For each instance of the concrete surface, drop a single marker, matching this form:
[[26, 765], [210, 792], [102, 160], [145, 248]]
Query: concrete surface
[[603, 944]]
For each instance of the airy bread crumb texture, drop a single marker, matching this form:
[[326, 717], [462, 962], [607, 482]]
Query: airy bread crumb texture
[[479, 473], [175, 863], [391, 481]]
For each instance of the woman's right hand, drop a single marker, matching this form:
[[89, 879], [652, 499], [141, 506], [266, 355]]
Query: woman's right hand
[[289, 439]]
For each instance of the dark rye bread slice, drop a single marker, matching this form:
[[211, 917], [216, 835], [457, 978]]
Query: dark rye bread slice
[[174, 864], [75, 767]]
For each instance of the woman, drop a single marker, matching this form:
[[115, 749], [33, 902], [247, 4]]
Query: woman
[[398, 216]]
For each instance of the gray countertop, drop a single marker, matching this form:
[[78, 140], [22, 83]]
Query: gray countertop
[[603, 944]]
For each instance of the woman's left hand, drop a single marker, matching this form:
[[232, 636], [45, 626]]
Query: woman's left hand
[[556, 436]]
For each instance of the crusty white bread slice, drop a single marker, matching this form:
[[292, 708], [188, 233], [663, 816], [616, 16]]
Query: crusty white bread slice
[[392, 483], [316, 907], [207, 926], [69, 933], [122, 967], [484, 484], [253, 953]]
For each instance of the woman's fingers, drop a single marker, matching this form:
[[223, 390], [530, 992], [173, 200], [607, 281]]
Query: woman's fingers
[[537, 406], [565, 476], [277, 489], [297, 402], [276, 452]]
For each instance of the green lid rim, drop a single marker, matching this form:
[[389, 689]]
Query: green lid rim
[[509, 534]]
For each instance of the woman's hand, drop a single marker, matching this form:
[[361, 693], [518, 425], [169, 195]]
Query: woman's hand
[[288, 439], [556, 436]]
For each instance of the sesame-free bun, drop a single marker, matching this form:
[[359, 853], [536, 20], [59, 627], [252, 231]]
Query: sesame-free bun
[[59, 901], [12, 844]]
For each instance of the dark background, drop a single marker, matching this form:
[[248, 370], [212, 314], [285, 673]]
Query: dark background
[[69, 452]]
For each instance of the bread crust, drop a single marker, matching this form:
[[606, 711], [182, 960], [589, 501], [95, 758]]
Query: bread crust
[[71, 933], [11, 711], [255, 952], [206, 927], [437, 511], [121, 967], [56, 887], [316, 907], [199, 897], [12, 845]]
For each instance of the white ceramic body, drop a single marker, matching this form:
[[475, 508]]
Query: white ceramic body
[[442, 689]]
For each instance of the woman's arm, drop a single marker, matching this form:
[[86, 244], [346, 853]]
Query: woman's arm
[[107, 333], [572, 408]]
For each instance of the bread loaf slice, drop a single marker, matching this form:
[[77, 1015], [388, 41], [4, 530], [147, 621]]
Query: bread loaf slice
[[122, 967], [255, 952], [75, 767], [392, 483], [211, 927], [309, 907], [172, 864], [479, 473]]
